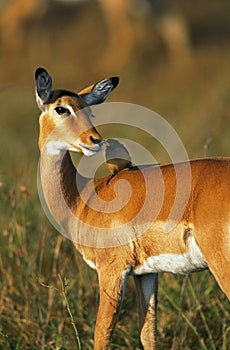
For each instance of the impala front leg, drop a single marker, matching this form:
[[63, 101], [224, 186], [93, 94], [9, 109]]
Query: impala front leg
[[146, 287], [112, 288]]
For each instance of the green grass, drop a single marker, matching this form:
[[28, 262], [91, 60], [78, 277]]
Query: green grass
[[192, 311]]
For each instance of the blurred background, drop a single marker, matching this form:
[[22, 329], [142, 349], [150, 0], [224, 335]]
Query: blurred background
[[172, 57]]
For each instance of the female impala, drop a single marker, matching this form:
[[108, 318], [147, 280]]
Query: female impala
[[200, 239]]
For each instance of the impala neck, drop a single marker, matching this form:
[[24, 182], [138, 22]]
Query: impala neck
[[69, 178], [61, 185]]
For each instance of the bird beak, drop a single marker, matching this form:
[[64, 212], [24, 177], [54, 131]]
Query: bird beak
[[106, 143]]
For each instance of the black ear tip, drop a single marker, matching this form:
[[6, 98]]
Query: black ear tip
[[39, 71], [115, 81]]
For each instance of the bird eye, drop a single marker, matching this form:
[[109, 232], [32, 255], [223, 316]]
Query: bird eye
[[62, 110]]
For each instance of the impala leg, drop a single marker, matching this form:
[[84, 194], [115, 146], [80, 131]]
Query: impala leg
[[112, 290], [223, 279], [217, 254], [146, 286], [219, 265]]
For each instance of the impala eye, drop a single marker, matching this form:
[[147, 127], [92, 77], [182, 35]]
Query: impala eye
[[62, 110]]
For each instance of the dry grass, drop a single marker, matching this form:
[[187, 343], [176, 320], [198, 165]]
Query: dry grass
[[192, 310]]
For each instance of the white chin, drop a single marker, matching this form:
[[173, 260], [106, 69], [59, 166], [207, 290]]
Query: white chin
[[87, 152], [73, 149]]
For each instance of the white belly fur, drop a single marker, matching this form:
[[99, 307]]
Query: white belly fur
[[191, 261]]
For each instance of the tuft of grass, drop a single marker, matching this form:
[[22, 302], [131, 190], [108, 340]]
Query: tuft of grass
[[64, 284]]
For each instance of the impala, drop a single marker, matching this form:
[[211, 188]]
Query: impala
[[199, 240]]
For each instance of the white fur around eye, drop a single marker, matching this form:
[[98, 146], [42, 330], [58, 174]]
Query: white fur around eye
[[68, 108]]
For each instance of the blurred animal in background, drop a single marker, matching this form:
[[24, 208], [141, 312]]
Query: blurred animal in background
[[120, 34], [173, 29], [125, 26], [124, 34], [13, 18], [117, 156]]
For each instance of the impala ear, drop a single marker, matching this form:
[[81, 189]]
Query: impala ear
[[43, 87], [97, 93]]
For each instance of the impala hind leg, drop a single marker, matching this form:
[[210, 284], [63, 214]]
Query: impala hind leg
[[217, 254], [112, 288], [219, 265], [146, 286]]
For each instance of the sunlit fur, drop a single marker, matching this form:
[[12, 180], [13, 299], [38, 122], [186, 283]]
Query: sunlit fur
[[200, 239]]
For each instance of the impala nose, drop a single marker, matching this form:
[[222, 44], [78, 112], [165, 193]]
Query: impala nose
[[95, 137], [96, 140]]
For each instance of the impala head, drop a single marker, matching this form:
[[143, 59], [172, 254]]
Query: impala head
[[65, 122]]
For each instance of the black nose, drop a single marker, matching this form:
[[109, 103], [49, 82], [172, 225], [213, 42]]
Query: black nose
[[95, 140]]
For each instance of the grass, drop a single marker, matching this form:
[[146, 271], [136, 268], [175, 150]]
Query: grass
[[39, 309]]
